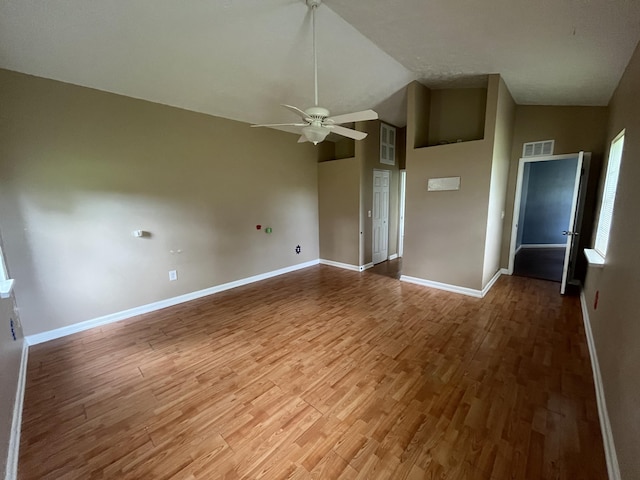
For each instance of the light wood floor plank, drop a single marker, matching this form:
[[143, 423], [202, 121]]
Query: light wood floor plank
[[322, 374]]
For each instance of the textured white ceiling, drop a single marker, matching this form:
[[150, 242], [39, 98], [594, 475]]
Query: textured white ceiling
[[550, 52], [240, 59]]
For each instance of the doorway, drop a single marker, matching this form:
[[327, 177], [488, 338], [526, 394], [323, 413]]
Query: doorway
[[549, 201]]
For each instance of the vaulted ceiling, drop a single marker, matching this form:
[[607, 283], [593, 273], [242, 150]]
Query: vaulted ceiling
[[240, 59]]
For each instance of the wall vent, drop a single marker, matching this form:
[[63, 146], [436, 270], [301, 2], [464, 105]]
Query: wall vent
[[536, 149]]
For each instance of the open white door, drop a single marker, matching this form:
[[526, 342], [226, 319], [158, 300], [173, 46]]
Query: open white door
[[577, 205], [571, 232], [380, 215]]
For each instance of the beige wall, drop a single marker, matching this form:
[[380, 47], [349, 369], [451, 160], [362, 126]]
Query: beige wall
[[573, 129], [339, 210], [418, 111], [81, 169], [457, 114], [446, 232], [335, 150], [615, 323], [503, 135]]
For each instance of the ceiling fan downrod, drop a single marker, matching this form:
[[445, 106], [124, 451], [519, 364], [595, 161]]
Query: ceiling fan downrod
[[315, 121], [313, 5]]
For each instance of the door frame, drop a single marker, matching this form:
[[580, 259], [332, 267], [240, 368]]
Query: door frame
[[403, 191], [518, 200]]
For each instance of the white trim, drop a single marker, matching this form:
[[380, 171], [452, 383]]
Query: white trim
[[393, 256], [345, 266], [442, 286], [6, 286], [11, 472], [403, 194], [542, 245], [505, 271], [594, 258], [488, 286], [169, 302], [605, 425], [453, 288]]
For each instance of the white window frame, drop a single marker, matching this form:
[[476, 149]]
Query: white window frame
[[4, 275], [605, 219], [6, 284]]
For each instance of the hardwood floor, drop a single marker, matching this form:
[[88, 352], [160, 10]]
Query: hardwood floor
[[322, 373], [389, 268]]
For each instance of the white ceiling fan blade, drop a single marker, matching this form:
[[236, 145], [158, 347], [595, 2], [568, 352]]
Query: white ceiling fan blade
[[296, 110], [353, 117], [347, 132], [282, 125], [302, 139]]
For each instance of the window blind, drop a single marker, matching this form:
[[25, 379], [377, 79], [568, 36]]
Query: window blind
[[609, 195]]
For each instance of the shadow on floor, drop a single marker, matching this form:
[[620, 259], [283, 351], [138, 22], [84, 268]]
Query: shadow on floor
[[542, 263]]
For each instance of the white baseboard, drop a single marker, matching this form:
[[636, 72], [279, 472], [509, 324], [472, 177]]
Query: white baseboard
[[132, 312], [453, 288], [442, 286], [393, 256], [491, 282], [542, 245], [605, 425], [505, 271], [345, 266], [11, 472]]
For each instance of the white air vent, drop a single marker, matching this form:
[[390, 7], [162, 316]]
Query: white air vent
[[536, 149]]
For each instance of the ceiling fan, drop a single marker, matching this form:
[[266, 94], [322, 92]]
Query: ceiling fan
[[316, 122]]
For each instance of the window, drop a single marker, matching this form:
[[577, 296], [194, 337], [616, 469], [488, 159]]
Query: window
[[3, 269], [6, 284], [609, 195], [387, 144]]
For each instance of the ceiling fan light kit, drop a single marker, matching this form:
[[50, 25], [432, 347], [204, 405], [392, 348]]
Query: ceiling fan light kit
[[315, 134], [317, 122]]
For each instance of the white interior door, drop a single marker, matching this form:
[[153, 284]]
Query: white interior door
[[575, 214], [403, 188], [570, 232], [380, 215]]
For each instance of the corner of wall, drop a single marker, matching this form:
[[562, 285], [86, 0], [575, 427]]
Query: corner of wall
[[418, 108], [499, 129]]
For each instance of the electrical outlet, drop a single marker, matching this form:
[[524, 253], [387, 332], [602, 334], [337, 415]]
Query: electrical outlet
[[173, 275]]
